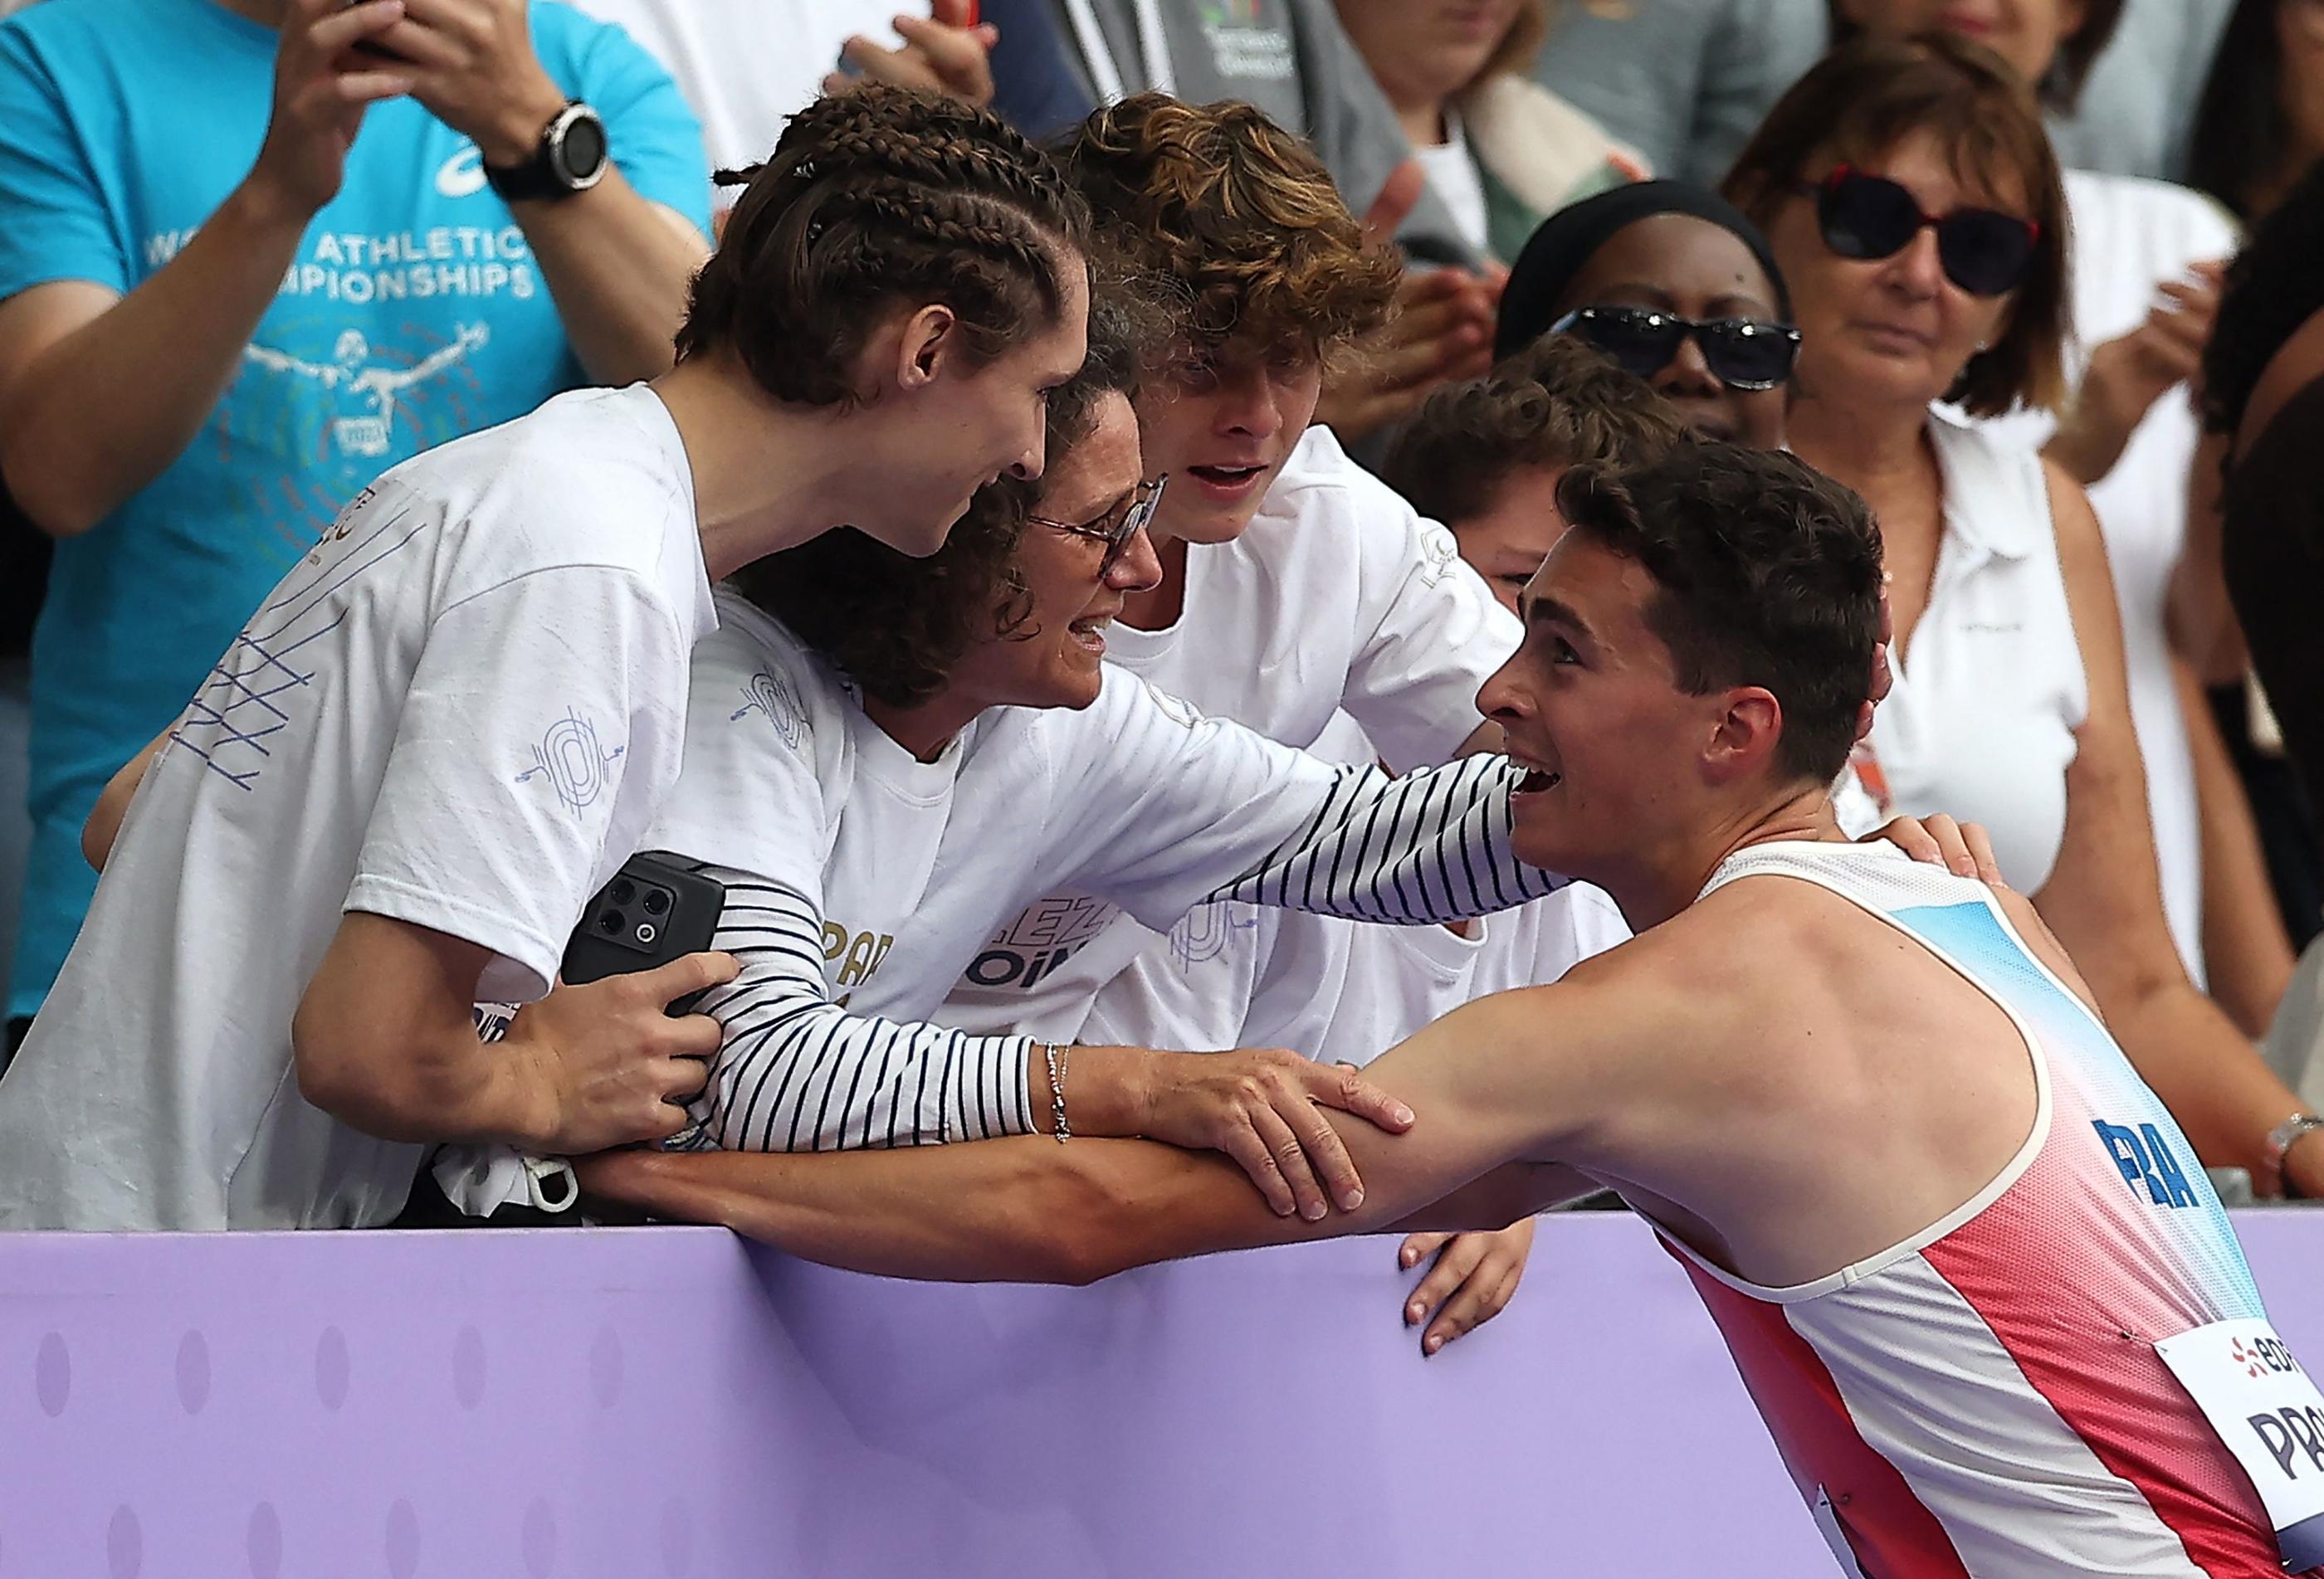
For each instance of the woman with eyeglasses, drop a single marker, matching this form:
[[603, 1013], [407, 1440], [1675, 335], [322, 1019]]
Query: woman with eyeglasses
[[1676, 287], [1912, 201]]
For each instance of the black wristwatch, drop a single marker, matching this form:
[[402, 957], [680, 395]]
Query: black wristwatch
[[571, 159]]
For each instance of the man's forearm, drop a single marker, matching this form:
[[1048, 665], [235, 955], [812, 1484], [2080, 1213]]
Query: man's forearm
[[106, 409], [1024, 1209], [618, 267]]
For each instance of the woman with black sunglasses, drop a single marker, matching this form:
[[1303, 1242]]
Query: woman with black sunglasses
[[2144, 275], [1674, 285], [1911, 196]]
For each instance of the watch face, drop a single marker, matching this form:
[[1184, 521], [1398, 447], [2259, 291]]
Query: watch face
[[581, 150]]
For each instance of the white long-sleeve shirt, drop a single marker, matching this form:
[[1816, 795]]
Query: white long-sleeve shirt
[[862, 882]]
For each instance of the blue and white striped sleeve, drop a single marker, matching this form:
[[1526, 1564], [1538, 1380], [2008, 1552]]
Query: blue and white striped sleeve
[[1429, 846], [798, 1073]]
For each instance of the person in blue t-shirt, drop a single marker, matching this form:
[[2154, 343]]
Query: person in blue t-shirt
[[252, 252]]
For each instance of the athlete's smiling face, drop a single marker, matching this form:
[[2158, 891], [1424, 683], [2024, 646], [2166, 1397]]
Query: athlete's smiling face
[[1051, 657], [1592, 708]]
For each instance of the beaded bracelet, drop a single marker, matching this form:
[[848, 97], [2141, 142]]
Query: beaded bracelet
[[1058, 1125]]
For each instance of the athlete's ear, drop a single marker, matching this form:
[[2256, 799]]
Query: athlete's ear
[[926, 344], [1744, 736]]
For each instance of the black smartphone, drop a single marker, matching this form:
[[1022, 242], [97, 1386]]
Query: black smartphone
[[653, 912]]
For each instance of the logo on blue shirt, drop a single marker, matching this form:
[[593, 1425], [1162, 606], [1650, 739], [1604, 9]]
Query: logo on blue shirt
[[2144, 1158]]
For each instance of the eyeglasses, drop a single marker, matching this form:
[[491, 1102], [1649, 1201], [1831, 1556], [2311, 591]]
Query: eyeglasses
[[1984, 250], [1117, 527], [1743, 353]]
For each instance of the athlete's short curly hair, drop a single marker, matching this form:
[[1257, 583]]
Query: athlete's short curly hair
[[1767, 573], [895, 625], [875, 198], [1238, 219]]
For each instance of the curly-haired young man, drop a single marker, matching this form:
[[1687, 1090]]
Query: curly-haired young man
[[1295, 584], [450, 723]]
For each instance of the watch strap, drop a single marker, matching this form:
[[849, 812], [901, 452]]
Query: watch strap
[[538, 178]]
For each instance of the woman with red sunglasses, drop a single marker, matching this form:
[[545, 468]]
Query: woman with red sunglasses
[[1909, 194]]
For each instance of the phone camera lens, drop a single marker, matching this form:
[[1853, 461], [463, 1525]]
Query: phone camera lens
[[657, 901], [610, 922], [623, 891]]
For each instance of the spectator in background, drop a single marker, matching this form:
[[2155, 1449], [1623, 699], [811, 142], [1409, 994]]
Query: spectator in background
[[1674, 284], [2261, 123], [2263, 395], [2142, 272], [2260, 126], [251, 256], [2136, 112], [1499, 149], [2010, 705], [1681, 81], [744, 65]]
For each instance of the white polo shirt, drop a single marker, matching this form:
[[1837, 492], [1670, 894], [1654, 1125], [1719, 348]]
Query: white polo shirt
[[1990, 686]]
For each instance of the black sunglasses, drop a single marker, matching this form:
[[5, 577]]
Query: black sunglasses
[[1118, 526], [1743, 353], [1984, 250]]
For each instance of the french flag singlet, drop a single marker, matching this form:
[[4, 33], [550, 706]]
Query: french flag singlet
[[2013, 1391]]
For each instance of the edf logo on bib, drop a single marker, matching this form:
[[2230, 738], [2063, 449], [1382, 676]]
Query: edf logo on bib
[[2146, 1162]]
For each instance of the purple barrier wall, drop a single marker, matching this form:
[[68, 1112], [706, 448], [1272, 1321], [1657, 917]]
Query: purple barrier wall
[[665, 1402]]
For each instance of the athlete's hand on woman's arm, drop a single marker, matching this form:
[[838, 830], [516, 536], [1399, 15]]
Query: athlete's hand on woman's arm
[[1264, 1107], [1474, 1278], [1963, 848]]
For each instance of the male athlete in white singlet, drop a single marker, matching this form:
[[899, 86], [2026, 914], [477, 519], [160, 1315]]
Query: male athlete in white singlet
[[1972, 1271]]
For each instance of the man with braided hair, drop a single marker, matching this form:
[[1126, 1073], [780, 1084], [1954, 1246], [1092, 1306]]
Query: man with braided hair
[[450, 723]]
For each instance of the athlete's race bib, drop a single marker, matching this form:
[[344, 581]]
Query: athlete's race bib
[[2264, 1406]]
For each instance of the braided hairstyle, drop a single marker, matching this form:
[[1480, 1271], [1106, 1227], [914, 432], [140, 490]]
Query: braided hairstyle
[[895, 625], [874, 198]]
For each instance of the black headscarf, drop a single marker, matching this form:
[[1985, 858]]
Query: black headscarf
[[1568, 239]]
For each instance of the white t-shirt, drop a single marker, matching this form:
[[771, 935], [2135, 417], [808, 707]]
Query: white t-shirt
[[1991, 687], [1452, 172], [2129, 235], [1337, 594], [459, 711], [747, 65], [862, 882]]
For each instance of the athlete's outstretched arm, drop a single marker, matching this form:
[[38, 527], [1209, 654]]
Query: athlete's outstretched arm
[[1507, 1079]]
